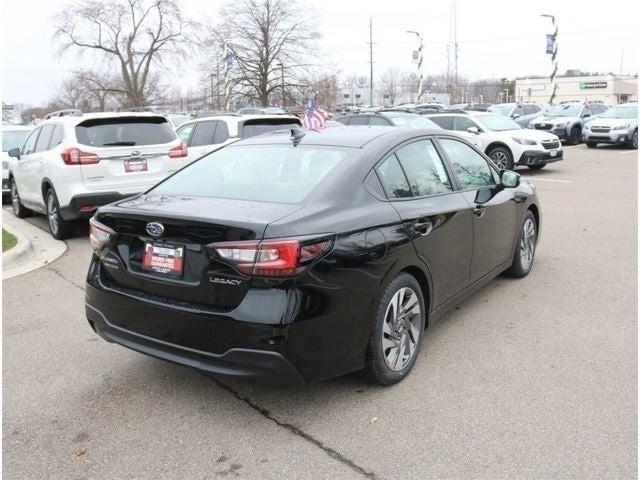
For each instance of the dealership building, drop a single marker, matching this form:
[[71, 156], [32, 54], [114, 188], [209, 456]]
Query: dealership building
[[610, 89]]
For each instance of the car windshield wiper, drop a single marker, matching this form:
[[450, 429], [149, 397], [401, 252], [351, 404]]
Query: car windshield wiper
[[119, 144]]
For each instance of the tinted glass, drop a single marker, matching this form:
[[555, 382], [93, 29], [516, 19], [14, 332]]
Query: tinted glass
[[13, 139], [203, 134], [222, 133], [462, 123], [518, 111], [263, 173], [379, 121], [393, 180], [471, 169], [443, 121], [184, 132], [56, 137], [43, 139], [498, 123], [251, 128], [529, 109], [424, 169], [30, 144], [125, 132], [359, 120]]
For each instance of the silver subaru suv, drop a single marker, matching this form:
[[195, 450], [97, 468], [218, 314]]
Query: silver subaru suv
[[618, 125]]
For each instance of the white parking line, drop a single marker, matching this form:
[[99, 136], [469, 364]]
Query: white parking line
[[628, 152], [534, 179]]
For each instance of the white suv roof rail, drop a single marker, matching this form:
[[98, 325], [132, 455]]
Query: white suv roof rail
[[73, 112]]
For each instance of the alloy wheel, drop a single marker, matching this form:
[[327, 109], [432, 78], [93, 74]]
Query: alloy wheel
[[527, 244], [15, 199], [500, 159], [52, 214], [401, 328], [634, 140]]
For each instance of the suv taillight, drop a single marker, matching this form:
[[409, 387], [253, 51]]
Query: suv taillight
[[273, 257], [99, 234], [179, 152], [75, 156]]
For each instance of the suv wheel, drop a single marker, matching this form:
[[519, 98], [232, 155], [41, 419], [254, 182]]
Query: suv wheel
[[59, 228], [397, 331], [634, 140], [574, 136], [18, 209], [501, 156], [525, 248]]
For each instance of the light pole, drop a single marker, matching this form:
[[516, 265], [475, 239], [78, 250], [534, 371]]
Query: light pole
[[506, 94], [417, 55], [552, 49]]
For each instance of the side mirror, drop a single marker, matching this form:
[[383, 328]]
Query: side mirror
[[585, 115], [473, 130], [515, 115], [14, 152], [509, 179]]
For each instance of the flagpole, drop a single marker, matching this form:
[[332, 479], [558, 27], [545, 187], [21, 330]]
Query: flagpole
[[552, 49], [419, 61]]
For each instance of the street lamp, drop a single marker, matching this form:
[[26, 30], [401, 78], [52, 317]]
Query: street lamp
[[417, 54]]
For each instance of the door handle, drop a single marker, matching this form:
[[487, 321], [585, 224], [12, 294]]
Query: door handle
[[423, 227], [479, 211]]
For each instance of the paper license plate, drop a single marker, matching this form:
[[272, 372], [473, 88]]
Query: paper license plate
[[553, 153], [163, 258], [139, 165]]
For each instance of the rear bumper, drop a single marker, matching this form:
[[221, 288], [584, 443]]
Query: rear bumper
[[250, 364], [538, 157], [84, 205]]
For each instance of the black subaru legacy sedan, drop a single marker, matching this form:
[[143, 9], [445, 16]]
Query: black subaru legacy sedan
[[298, 256]]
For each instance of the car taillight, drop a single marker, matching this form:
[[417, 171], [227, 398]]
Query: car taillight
[[75, 156], [179, 151], [273, 257], [99, 234]]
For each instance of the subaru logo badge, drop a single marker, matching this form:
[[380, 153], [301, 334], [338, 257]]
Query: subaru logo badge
[[155, 229]]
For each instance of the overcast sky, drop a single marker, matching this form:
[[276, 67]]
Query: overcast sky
[[497, 38]]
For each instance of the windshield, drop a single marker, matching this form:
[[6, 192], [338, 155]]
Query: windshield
[[621, 112], [565, 110], [497, 123], [262, 173], [13, 139], [411, 121], [504, 110]]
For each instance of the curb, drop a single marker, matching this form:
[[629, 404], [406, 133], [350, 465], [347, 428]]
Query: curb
[[22, 248]]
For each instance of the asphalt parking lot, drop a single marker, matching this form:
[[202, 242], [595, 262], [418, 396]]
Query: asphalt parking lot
[[532, 378]]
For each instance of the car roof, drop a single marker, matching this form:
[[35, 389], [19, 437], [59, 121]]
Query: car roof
[[352, 137]]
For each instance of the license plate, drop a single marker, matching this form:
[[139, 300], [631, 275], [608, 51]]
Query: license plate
[[138, 165], [553, 153], [163, 258]]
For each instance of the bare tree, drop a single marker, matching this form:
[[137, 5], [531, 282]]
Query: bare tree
[[390, 84], [268, 39], [133, 35]]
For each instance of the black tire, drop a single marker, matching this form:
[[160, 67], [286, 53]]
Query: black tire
[[19, 210], [6, 198], [58, 227], [539, 166], [377, 367], [520, 268], [574, 135], [502, 157], [633, 143], [592, 144]]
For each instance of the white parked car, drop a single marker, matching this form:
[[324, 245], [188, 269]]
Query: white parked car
[[503, 140], [72, 163], [13, 136], [203, 135]]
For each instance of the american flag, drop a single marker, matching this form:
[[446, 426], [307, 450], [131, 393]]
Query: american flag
[[315, 117]]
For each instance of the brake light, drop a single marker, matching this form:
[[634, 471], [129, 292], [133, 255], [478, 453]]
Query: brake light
[[99, 234], [75, 156], [273, 257], [179, 152]]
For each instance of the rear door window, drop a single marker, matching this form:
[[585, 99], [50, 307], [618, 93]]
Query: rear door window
[[258, 126], [393, 180], [125, 131], [424, 169], [203, 134], [43, 139], [57, 137], [222, 132], [462, 123]]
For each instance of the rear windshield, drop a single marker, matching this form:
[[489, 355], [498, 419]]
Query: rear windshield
[[251, 128], [263, 173], [125, 132]]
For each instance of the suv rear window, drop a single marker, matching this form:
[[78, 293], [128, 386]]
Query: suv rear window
[[258, 126], [263, 173], [124, 131]]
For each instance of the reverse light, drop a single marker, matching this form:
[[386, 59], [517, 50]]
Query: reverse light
[[179, 152], [75, 156], [524, 141], [99, 234], [273, 257]]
